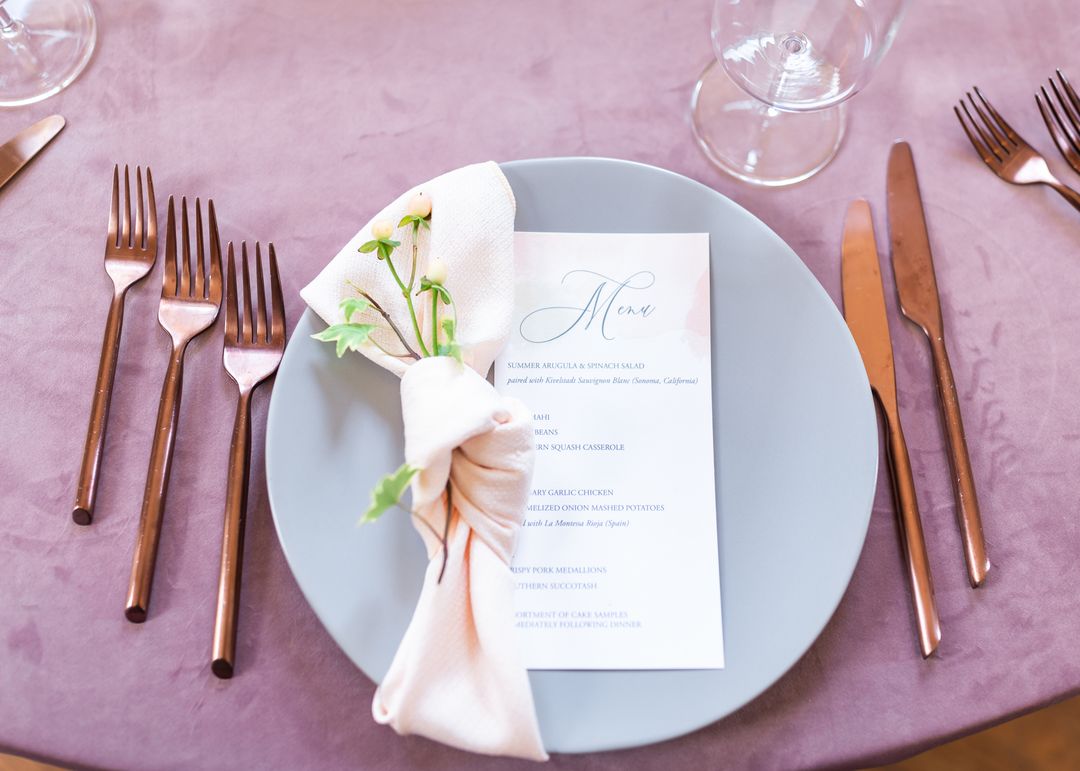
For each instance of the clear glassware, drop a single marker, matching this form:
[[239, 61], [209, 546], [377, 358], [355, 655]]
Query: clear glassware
[[769, 109], [44, 45]]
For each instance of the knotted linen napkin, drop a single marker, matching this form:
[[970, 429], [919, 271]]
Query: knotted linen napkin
[[457, 676]]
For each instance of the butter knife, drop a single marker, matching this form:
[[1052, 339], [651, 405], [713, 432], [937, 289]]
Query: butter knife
[[20, 149], [916, 284], [864, 309]]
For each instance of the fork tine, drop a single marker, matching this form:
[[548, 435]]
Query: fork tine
[[1016, 140], [248, 335], [185, 256], [114, 209], [980, 148], [999, 138], [277, 319], [989, 145], [1065, 84], [232, 327], [1053, 122], [151, 211], [262, 323], [168, 277], [214, 289], [125, 220], [1070, 122], [199, 276], [137, 236]]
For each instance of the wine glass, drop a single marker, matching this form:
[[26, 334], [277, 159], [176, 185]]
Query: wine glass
[[769, 109], [44, 45]]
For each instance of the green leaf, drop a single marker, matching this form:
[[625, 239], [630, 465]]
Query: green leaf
[[412, 219], [351, 305], [384, 246], [388, 492], [450, 347], [349, 337], [426, 285]]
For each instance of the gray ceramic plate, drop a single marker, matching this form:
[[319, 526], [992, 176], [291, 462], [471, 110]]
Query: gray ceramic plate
[[796, 451]]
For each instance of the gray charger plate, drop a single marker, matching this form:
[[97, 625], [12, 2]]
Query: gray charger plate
[[796, 452]]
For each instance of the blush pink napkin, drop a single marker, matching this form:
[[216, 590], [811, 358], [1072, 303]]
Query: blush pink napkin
[[457, 676]]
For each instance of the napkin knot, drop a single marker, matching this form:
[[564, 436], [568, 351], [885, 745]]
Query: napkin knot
[[459, 429]]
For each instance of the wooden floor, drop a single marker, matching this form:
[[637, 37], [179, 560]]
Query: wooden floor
[[1044, 741], [1047, 740]]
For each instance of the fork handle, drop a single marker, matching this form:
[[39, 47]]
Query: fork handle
[[157, 485], [1068, 194], [911, 538], [86, 489], [232, 541], [967, 504]]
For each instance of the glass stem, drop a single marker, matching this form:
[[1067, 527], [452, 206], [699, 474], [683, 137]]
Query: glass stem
[[7, 24], [17, 40]]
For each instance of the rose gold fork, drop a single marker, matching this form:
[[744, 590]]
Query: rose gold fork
[[1064, 130], [253, 348], [190, 300], [129, 255], [1005, 151]]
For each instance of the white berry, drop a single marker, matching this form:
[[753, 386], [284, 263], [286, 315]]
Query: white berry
[[382, 229], [419, 205], [436, 272]]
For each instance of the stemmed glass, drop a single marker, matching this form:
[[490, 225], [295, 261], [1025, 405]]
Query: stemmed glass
[[769, 109], [44, 45]]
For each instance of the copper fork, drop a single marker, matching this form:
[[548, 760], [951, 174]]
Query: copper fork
[[130, 253], [254, 344], [1005, 151], [1065, 130], [190, 299]]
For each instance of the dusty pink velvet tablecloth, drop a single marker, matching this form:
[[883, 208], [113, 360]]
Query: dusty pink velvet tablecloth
[[300, 119]]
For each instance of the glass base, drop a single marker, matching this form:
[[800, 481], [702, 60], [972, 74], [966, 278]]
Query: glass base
[[748, 139], [44, 45]]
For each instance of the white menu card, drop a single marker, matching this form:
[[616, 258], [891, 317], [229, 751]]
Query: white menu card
[[617, 565]]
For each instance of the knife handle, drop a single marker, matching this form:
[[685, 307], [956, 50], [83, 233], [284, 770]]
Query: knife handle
[[911, 537], [967, 504]]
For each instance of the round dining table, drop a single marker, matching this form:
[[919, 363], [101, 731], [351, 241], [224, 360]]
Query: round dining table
[[300, 119]]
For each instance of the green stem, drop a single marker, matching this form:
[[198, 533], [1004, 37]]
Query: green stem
[[393, 272], [435, 321], [416, 325], [412, 310], [415, 236]]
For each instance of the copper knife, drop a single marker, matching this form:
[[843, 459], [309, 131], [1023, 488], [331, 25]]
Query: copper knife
[[913, 266], [20, 149], [864, 309]]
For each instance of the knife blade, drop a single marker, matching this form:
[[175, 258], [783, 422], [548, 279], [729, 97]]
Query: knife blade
[[864, 309], [21, 148], [916, 284]]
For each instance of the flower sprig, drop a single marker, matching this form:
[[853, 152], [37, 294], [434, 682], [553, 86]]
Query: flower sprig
[[357, 335]]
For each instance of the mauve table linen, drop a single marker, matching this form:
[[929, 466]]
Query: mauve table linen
[[300, 119]]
